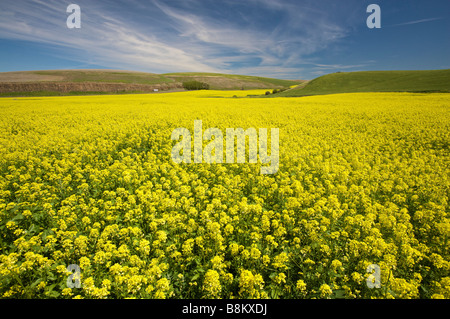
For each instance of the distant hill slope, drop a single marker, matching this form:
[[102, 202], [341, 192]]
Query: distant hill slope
[[72, 82], [221, 81], [375, 81], [89, 75]]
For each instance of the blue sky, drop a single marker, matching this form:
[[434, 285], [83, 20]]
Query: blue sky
[[290, 39]]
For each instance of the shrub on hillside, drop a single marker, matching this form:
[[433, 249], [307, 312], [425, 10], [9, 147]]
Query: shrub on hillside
[[195, 85]]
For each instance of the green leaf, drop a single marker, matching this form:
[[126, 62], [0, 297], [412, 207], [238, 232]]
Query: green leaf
[[36, 282], [195, 277], [18, 217], [53, 294], [339, 294], [33, 229]]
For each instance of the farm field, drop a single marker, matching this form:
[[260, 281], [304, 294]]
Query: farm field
[[363, 179]]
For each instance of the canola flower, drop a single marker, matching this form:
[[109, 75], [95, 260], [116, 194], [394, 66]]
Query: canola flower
[[363, 179]]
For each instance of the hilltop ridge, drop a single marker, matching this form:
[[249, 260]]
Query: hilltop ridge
[[78, 82], [374, 81]]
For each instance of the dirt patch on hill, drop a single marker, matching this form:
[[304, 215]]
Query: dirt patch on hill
[[67, 87], [27, 77]]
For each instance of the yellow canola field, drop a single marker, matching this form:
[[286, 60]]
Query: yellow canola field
[[363, 180]]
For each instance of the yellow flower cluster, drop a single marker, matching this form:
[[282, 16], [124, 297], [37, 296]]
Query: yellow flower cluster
[[363, 179], [250, 285], [211, 284]]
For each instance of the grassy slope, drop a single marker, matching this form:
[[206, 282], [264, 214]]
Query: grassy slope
[[215, 80], [375, 81], [117, 76], [232, 81], [108, 76]]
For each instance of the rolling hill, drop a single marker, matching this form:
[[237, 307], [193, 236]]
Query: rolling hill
[[374, 81], [218, 81], [80, 82]]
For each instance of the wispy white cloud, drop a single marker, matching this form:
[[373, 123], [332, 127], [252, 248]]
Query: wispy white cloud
[[417, 21], [297, 33], [160, 38], [102, 38], [339, 66]]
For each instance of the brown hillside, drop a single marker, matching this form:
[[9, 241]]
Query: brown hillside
[[66, 87]]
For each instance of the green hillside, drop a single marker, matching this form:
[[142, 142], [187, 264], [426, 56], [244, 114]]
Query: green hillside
[[106, 76], [221, 81], [80, 82], [375, 81]]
